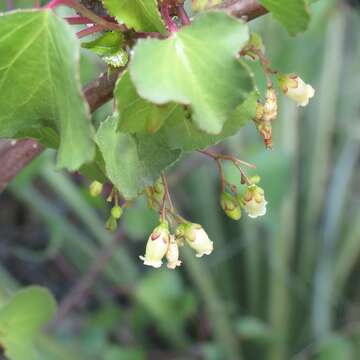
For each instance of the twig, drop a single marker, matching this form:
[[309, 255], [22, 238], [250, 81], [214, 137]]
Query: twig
[[83, 285], [167, 193], [89, 31], [17, 155], [85, 12], [82, 20], [265, 63], [183, 15], [165, 12], [235, 161]]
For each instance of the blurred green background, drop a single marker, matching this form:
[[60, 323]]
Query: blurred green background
[[284, 286]]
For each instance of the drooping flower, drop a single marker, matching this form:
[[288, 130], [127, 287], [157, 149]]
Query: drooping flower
[[230, 206], [196, 237], [296, 89], [157, 246], [254, 201], [172, 254]]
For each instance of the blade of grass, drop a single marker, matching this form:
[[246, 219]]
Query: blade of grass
[[216, 309], [322, 131], [335, 211], [282, 242]]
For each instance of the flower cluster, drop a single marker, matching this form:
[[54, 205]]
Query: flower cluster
[[252, 201], [290, 84], [175, 231], [163, 244]]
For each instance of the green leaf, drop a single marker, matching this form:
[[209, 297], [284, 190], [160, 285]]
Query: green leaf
[[196, 66], [95, 170], [39, 85], [107, 44], [132, 163], [138, 115], [109, 47], [293, 15], [22, 318], [181, 133], [141, 15]]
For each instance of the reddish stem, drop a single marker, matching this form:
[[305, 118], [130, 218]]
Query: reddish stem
[[82, 20], [183, 15], [170, 24], [85, 12], [89, 30]]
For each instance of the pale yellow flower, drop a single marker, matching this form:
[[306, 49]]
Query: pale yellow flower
[[172, 254], [296, 89], [254, 201], [157, 246]]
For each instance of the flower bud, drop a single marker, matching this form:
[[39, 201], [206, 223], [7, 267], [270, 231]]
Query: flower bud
[[230, 206], [172, 254], [95, 188], [254, 201], [116, 212], [296, 89], [157, 246], [196, 237]]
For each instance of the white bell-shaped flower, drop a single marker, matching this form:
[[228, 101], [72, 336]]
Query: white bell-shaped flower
[[197, 238], [254, 201], [296, 89], [157, 246], [172, 254]]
